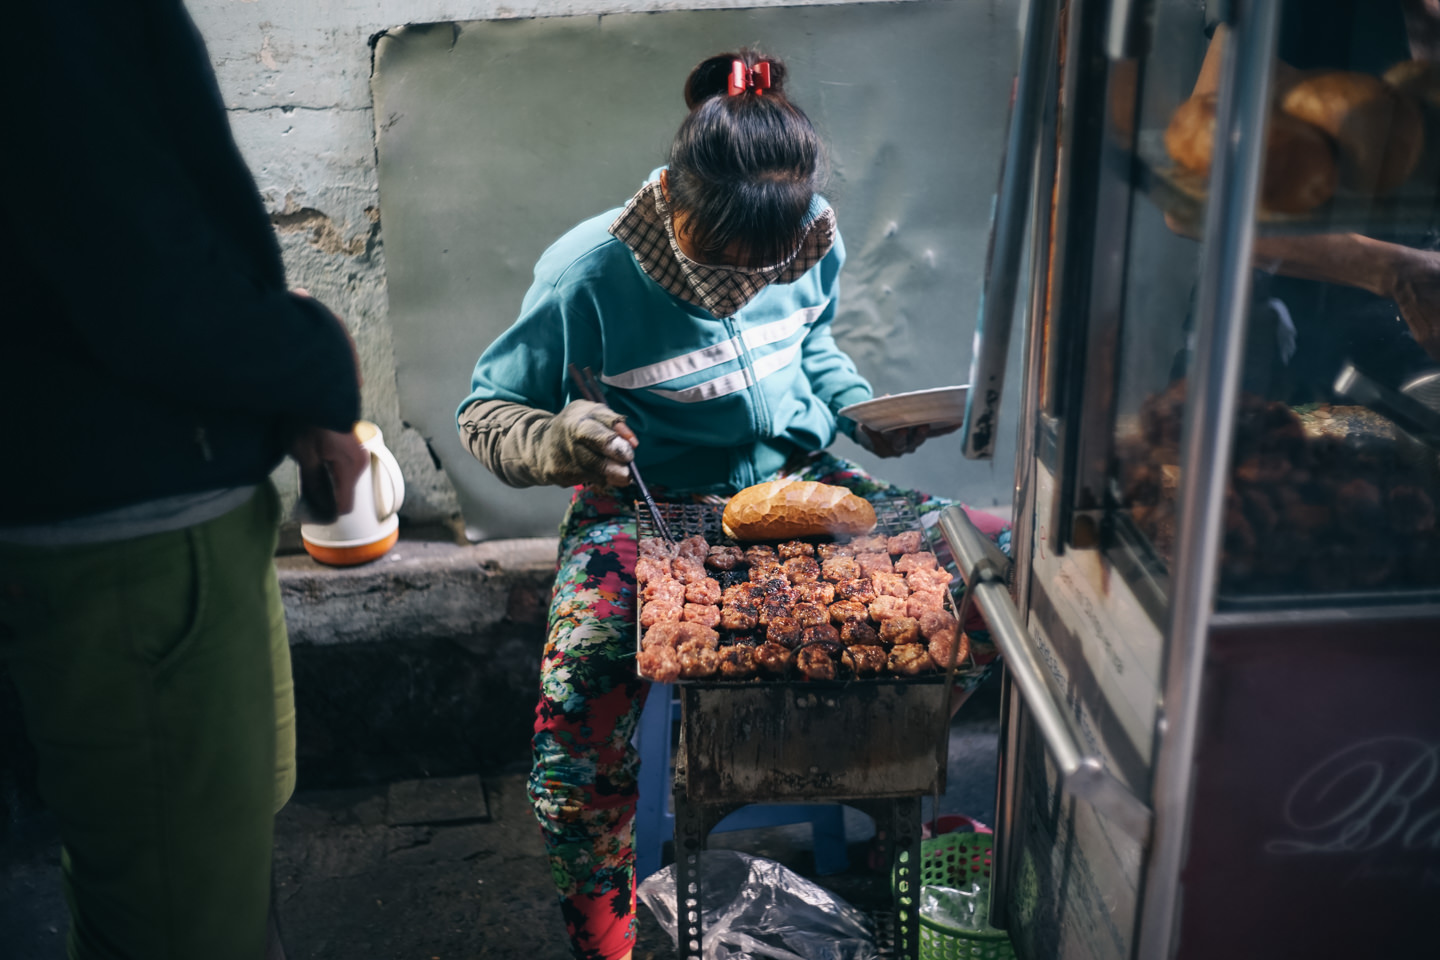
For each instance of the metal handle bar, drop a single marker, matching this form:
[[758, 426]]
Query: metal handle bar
[[1084, 776]]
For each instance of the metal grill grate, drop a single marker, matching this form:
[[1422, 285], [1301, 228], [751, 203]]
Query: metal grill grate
[[892, 517]]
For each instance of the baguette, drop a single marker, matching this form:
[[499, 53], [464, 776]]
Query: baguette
[[1379, 131], [784, 509], [1300, 171]]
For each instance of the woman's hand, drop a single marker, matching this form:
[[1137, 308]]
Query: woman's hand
[[1416, 289], [586, 443], [898, 442]]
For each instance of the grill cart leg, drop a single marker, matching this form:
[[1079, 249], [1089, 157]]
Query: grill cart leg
[[905, 837], [689, 841], [900, 817], [693, 823]]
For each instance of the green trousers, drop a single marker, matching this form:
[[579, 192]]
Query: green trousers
[[154, 679]]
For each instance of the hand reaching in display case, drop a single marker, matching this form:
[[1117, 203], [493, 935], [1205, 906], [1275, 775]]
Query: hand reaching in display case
[[1408, 276], [1390, 144], [1416, 289]]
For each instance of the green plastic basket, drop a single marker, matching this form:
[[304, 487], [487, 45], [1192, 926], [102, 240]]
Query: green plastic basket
[[951, 860]]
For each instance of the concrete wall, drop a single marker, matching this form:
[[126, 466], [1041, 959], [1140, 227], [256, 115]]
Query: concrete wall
[[296, 77]]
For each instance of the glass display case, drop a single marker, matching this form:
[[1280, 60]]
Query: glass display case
[[1222, 626], [1333, 483]]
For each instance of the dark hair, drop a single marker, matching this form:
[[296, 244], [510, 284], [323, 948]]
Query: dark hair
[[745, 167]]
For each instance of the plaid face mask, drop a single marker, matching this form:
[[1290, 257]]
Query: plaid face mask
[[647, 228]]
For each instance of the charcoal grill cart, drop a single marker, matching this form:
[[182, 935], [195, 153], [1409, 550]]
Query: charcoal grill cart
[[876, 744], [1221, 730]]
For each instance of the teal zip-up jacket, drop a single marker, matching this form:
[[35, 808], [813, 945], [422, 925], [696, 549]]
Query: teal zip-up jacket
[[718, 404]]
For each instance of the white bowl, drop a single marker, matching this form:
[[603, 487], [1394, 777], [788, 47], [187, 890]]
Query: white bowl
[[940, 406]]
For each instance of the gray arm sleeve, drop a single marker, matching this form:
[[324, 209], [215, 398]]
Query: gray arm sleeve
[[507, 439], [526, 447]]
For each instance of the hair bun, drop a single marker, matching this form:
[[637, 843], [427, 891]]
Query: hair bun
[[712, 77]]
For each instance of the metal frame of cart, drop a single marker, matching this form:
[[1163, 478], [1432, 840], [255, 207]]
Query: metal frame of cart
[[1227, 674]]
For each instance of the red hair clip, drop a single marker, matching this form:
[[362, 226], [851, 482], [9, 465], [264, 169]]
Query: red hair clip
[[742, 78]]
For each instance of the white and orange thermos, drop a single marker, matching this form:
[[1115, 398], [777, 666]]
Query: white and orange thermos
[[371, 528]]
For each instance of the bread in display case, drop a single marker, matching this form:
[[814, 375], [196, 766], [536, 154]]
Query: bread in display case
[[1332, 491], [1343, 138], [1353, 138]]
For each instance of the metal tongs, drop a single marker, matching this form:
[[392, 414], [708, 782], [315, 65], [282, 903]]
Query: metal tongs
[[1403, 410], [589, 387]]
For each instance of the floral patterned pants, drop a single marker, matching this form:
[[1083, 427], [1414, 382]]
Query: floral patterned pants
[[583, 783]]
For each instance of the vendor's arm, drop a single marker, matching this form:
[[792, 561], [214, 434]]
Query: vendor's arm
[[525, 447], [1408, 276], [517, 421]]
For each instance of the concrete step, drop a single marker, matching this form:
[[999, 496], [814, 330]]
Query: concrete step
[[420, 590], [424, 663]]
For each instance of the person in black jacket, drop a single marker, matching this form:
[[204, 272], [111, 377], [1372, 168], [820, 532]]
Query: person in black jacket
[[154, 370]]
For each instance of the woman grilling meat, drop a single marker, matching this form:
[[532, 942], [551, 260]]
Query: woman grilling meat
[[704, 306]]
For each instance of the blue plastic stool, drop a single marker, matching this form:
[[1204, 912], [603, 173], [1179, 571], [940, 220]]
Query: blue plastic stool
[[655, 823]]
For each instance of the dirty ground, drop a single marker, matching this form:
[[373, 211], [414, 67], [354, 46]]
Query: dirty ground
[[451, 869]]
